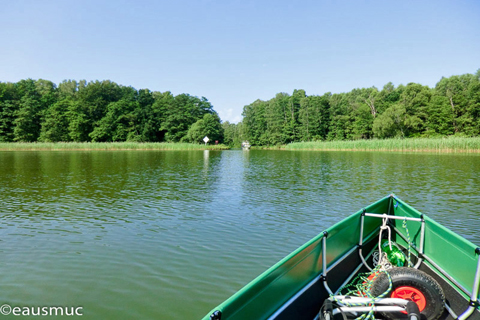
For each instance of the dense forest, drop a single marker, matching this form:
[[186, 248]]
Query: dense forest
[[412, 110], [38, 110], [103, 111]]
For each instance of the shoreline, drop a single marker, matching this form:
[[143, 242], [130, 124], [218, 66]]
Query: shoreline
[[417, 145], [393, 150], [435, 145], [449, 151], [105, 146]]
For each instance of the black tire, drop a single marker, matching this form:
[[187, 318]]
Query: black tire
[[429, 287]]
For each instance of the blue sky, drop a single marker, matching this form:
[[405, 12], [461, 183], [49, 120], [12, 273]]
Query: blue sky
[[234, 52]]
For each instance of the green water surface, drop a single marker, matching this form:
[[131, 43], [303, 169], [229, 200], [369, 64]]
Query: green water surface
[[171, 234]]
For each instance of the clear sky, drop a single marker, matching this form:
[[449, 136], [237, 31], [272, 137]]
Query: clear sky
[[236, 51]]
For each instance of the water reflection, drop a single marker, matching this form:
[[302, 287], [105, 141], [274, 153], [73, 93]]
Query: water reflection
[[138, 234]]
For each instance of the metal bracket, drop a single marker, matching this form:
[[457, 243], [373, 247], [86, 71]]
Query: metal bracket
[[217, 315], [473, 303]]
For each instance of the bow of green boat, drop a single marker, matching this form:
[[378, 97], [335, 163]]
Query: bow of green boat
[[428, 264]]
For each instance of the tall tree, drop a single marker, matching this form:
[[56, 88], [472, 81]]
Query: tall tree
[[391, 123], [155, 129], [313, 117], [27, 120], [184, 112], [276, 116], [8, 112], [209, 126], [118, 124], [456, 90], [415, 99], [341, 121], [95, 97], [291, 125], [233, 134], [363, 122], [79, 122], [67, 89], [55, 124], [254, 121]]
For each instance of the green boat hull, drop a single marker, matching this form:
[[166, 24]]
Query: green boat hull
[[293, 288]]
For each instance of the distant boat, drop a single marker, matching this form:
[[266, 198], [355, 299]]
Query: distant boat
[[440, 281], [245, 145]]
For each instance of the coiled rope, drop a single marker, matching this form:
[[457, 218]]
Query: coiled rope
[[362, 284]]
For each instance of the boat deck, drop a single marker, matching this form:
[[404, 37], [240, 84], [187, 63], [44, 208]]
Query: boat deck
[[297, 286], [307, 304]]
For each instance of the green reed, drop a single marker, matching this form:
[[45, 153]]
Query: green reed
[[14, 146], [450, 144]]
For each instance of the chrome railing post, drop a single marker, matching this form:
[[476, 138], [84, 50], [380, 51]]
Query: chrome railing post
[[324, 259], [474, 297]]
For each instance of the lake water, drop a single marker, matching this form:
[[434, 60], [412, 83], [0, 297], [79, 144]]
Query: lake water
[[171, 234]]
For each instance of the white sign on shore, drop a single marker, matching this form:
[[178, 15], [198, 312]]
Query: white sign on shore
[[206, 140]]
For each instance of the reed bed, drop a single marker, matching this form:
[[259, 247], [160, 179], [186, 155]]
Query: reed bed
[[443, 145], [59, 146]]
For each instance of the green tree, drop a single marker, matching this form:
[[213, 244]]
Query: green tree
[[27, 120], [291, 125], [387, 97], [395, 122], [369, 97], [363, 122], [276, 116], [118, 124], [233, 134], [67, 89], [473, 108], [26, 87], [79, 123], [184, 112], [94, 97], [154, 128], [46, 92], [8, 111], [391, 123], [313, 117], [209, 126], [254, 121], [441, 117], [341, 117], [456, 90], [415, 99], [8, 106], [56, 122]]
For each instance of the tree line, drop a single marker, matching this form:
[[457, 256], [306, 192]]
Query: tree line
[[102, 111], [39, 110], [452, 107]]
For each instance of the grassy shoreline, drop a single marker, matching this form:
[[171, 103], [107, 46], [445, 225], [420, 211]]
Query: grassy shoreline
[[439, 145], [108, 146], [436, 145]]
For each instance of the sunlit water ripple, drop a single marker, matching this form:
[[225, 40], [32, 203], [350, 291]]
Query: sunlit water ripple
[[169, 235]]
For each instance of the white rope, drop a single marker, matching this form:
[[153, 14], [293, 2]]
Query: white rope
[[384, 226]]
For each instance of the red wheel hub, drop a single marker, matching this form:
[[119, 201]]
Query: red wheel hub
[[412, 294]]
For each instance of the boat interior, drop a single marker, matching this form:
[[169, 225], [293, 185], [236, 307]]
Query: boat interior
[[302, 285], [307, 303]]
